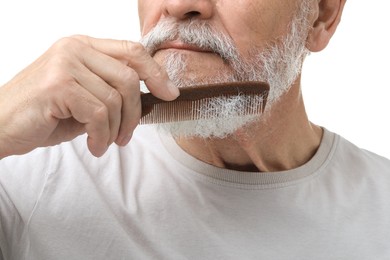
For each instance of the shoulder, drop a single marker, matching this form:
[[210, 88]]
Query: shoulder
[[360, 159], [357, 169], [356, 178]]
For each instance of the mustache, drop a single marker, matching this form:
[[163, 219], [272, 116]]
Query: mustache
[[193, 32]]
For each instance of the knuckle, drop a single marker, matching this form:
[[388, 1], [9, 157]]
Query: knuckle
[[59, 63], [57, 74], [56, 78], [67, 43], [79, 37], [127, 76], [100, 114], [114, 99], [134, 48]]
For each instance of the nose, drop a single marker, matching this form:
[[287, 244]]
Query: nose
[[185, 9]]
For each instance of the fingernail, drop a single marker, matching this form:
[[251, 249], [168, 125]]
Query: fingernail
[[173, 89]]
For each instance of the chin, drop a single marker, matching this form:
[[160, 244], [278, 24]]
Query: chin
[[208, 128], [219, 117]]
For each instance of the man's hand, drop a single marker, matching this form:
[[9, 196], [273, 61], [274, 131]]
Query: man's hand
[[79, 85]]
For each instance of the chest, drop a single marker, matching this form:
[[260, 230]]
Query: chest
[[168, 220]]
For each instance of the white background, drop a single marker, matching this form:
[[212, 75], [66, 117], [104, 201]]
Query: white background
[[346, 87]]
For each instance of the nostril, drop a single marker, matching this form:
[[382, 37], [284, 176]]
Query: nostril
[[192, 14], [188, 9]]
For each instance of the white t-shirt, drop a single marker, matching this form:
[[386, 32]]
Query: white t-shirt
[[151, 200]]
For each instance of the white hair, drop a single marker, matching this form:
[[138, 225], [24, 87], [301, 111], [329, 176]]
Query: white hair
[[279, 64]]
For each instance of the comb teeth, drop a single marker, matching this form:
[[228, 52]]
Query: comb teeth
[[202, 102]]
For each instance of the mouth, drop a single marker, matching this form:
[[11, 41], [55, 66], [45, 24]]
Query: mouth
[[178, 45]]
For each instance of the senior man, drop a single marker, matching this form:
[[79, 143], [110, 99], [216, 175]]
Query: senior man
[[270, 186]]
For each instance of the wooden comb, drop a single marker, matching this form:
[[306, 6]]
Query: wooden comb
[[187, 106]]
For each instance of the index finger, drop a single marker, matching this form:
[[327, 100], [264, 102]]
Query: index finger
[[154, 76]]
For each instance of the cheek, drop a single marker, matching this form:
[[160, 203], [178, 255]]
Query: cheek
[[255, 24], [149, 12]]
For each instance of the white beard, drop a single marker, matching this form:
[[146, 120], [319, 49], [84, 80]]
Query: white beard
[[279, 65], [224, 117]]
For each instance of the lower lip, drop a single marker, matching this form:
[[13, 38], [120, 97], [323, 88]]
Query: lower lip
[[188, 50]]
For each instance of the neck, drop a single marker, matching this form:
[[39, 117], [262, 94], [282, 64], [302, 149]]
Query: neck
[[284, 139]]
